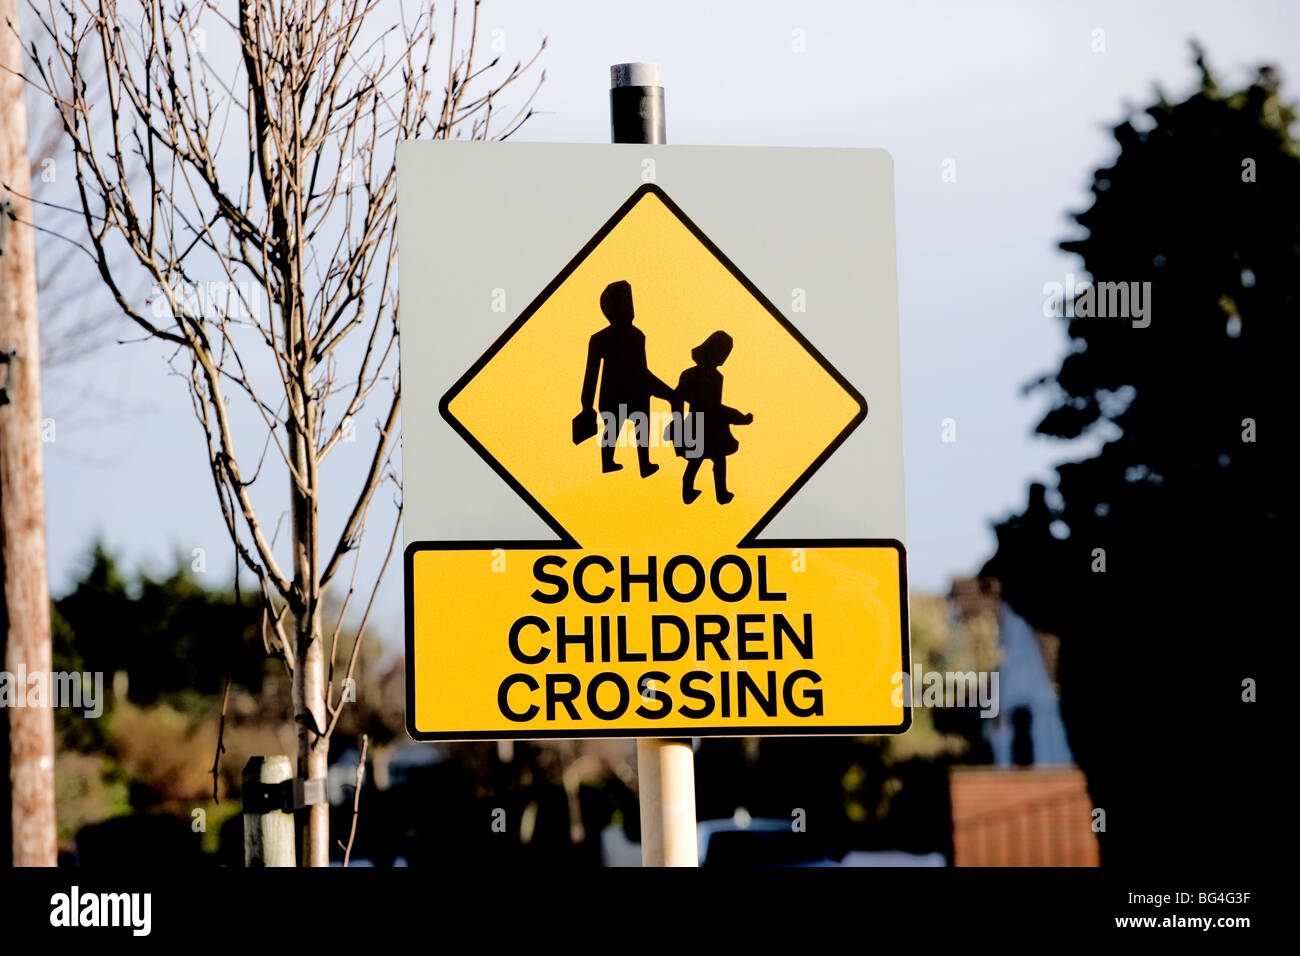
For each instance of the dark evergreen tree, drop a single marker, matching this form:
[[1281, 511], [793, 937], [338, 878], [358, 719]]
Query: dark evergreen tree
[[1159, 561]]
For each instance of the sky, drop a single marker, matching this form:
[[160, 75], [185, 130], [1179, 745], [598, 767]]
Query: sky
[[1016, 99]]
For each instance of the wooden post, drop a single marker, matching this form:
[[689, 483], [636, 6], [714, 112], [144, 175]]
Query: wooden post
[[268, 828], [665, 768], [25, 600]]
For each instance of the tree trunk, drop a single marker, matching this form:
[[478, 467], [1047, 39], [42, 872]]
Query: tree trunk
[[313, 749], [25, 608], [309, 670]]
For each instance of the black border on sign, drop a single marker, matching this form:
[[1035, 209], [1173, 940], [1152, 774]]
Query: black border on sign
[[565, 540], [655, 731], [564, 537]]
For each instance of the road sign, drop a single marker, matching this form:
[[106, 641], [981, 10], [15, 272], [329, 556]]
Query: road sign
[[658, 411]]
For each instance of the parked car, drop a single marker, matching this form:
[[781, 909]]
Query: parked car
[[744, 841]]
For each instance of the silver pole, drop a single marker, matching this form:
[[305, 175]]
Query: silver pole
[[665, 768]]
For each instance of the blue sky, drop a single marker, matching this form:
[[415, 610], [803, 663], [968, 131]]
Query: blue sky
[[1013, 94]]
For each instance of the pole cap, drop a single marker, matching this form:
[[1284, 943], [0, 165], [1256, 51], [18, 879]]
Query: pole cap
[[633, 74]]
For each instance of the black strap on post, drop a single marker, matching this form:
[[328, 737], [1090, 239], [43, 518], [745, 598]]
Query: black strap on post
[[286, 796], [8, 358]]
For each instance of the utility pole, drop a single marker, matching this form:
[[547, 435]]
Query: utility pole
[[25, 603], [665, 768]]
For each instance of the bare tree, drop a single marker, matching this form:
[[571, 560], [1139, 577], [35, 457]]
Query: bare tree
[[79, 322], [73, 315], [262, 216]]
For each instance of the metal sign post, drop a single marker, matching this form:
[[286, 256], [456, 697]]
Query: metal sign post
[[665, 768], [712, 544]]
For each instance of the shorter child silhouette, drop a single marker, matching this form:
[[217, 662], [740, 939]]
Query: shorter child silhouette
[[700, 388]]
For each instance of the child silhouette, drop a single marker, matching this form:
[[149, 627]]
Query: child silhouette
[[700, 387], [626, 383]]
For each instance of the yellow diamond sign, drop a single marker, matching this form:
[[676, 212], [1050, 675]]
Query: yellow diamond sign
[[656, 410]]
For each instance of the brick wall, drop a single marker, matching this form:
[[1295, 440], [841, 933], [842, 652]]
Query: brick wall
[[1021, 817]]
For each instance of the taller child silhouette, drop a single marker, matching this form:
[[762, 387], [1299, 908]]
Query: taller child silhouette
[[617, 355]]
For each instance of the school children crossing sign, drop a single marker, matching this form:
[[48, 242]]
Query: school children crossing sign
[[658, 410]]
